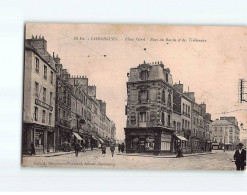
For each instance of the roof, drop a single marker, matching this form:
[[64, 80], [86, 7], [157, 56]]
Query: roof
[[221, 122]]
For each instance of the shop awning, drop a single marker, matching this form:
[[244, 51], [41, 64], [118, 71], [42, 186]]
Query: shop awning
[[77, 136], [181, 138], [100, 140]]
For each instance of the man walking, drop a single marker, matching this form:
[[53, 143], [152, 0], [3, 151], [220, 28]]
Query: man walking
[[77, 147], [119, 148], [122, 147], [103, 148], [240, 157], [112, 148]]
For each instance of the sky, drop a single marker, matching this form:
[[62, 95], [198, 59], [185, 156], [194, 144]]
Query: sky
[[210, 67]]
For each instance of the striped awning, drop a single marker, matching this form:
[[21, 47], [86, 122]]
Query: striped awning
[[101, 141], [181, 138], [77, 136]]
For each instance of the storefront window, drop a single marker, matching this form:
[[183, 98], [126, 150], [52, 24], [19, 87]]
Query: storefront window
[[39, 139]]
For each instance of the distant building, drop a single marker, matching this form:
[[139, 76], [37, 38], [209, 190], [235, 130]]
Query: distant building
[[149, 109], [225, 133], [39, 97]]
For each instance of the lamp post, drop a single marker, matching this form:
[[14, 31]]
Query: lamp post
[[224, 144]]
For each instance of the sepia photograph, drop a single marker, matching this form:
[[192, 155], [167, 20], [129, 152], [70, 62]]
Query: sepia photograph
[[150, 97]]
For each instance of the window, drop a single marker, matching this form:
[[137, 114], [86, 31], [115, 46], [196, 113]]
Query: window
[[44, 94], [36, 89], [178, 126], [189, 111], [194, 122], [45, 71], [36, 113], [51, 77], [50, 115], [37, 65], [43, 116], [169, 120], [174, 125], [169, 100], [143, 96], [144, 75], [183, 108], [143, 116], [166, 77], [51, 98], [163, 96], [64, 114], [163, 118]]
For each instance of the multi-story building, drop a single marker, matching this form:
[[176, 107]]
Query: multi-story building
[[149, 109], [89, 120], [63, 106], [59, 109], [225, 133], [182, 106], [39, 97]]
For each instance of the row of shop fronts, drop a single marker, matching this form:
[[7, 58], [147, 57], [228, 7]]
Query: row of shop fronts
[[222, 146], [159, 141], [47, 139]]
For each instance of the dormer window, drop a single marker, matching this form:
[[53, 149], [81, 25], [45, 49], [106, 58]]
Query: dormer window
[[144, 75]]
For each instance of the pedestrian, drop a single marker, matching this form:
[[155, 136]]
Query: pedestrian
[[92, 146], [32, 149], [122, 147], [179, 152], [77, 147], [112, 148], [240, 157], [119, 147], [103, 148]]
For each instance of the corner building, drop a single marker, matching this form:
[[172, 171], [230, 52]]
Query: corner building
[[39, 97], [149, 109]]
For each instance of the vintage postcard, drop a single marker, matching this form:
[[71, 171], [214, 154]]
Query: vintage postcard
[[134, 97]]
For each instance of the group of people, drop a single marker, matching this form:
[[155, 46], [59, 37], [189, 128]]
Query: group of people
[[121, 148]]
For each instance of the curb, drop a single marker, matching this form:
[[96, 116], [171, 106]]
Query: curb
[[56, 154], [168, 156]]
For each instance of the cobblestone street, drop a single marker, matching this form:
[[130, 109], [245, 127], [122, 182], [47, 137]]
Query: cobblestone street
[[218, 160]]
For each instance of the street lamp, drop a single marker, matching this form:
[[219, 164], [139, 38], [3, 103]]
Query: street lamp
[[224, 144]]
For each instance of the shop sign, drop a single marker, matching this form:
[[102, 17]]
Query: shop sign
[[43, 104]]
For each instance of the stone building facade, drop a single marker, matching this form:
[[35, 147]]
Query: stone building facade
[[149, 109], [59, 109], [161, 116], [38, 97], [225, 133], [63, 106], [92, 125]]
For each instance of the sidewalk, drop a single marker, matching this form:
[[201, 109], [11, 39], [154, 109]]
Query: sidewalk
[[164, 156], [57, 153]]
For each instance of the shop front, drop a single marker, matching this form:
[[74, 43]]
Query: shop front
[[180, 141], [154, 140], [65, 140], [41, 136]]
